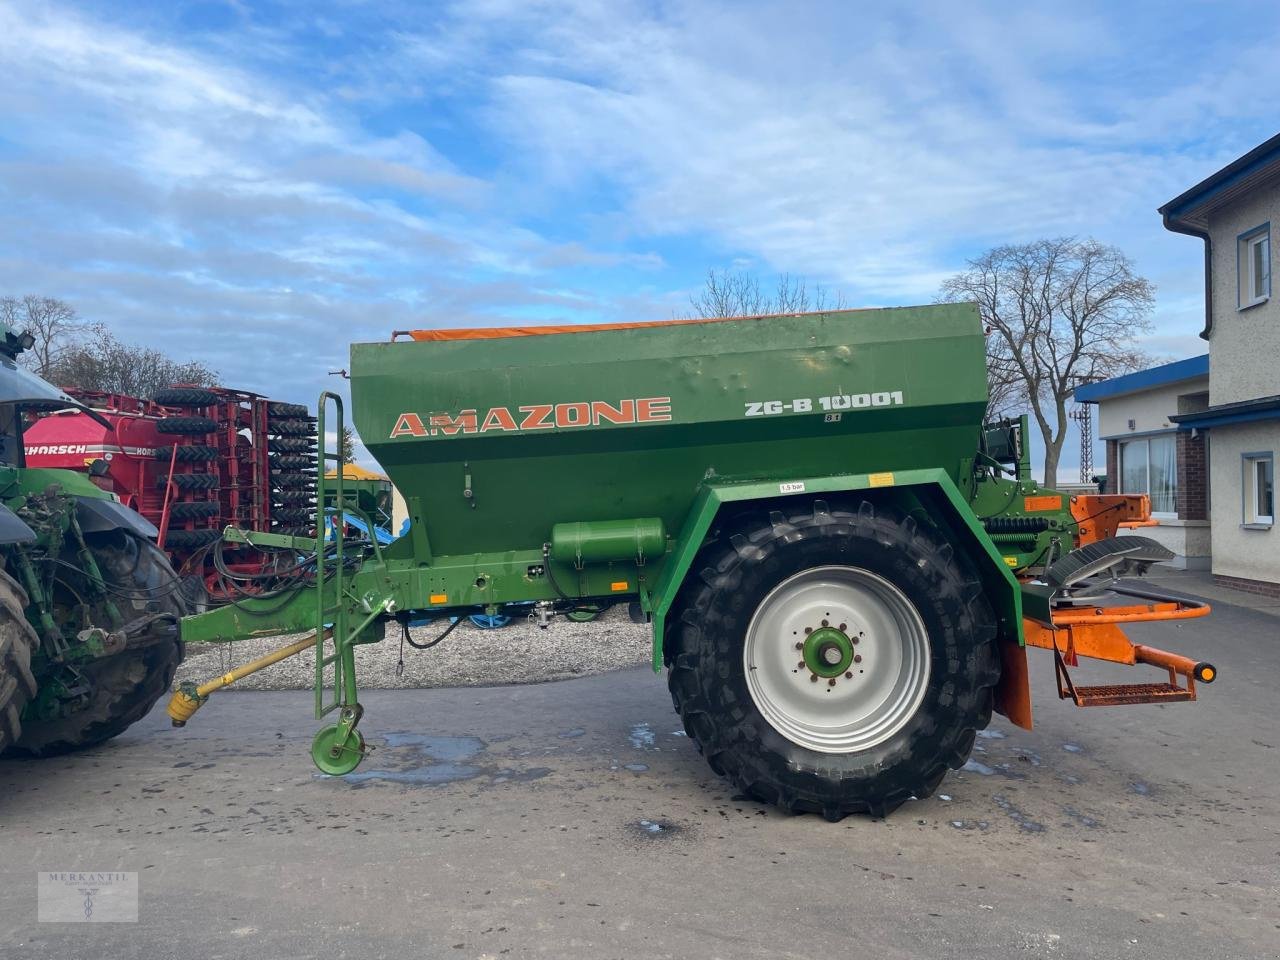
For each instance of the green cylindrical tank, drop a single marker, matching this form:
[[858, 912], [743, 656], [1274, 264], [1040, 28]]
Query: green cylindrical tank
[[500, 438], [604, 540]]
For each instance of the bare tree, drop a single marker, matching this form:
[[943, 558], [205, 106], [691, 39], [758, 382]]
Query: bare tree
[[54, 323], [1057, 313], [110, 366], [739, 294]]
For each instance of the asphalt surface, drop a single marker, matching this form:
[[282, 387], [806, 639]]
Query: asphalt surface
[[570, 820]]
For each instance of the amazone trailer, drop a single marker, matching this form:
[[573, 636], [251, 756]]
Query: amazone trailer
[[841, 565]]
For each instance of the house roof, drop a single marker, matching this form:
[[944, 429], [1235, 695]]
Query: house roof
[[1162, 376], [1244, 411], [1191, 209]]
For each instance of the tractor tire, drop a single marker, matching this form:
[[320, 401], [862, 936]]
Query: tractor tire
[[287, 410], [18, 640], [292, 499], [190, 539], [766, 682], [194, 510], [126, 685], [185, 397], [293, 480], [292, 445], [192, 453], [292, 516], [193, 426], [292, 428], [192, 481], [292, 461]]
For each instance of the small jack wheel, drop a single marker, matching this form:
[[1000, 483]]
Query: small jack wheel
[[335, 752]]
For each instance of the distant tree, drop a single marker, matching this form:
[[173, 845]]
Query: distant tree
[[1057, 313], [55, 325], [348, 446], [108, 365], [739, 294], [72, 352]]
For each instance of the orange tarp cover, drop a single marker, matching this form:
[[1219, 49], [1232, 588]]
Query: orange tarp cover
[[494, 333]]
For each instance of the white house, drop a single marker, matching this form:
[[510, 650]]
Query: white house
[[1232, 212], [1148, 453]]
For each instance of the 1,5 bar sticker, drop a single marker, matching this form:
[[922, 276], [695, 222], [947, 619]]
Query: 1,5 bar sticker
[[839, 401]]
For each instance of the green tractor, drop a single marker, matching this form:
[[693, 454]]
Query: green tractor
[[89, 605]]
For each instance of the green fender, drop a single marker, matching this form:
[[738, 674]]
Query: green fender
[[929, 493]]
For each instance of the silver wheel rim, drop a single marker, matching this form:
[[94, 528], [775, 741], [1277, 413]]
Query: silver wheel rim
[[869, 702]]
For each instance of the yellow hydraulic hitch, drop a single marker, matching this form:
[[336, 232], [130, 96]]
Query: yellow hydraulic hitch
[[188, 698]]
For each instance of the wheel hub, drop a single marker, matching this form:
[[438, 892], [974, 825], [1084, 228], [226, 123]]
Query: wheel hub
[[828, 652]]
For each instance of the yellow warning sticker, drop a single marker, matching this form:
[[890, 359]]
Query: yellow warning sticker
[[439, 598], [880, 479], [618, 586], [1010, 561]]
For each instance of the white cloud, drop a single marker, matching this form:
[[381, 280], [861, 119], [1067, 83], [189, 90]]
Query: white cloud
[[250, 197], [864, 147]]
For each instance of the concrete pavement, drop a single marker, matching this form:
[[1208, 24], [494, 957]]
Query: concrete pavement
[[572, 820]]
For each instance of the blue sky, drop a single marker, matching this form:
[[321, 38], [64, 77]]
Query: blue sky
[[257, 184]]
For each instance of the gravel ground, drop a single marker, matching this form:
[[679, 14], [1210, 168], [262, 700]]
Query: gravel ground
[[517, 653]]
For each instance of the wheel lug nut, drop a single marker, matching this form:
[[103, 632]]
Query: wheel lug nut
[[857, 658], [825, 624], [831, 682], [844, 627], [813, 678], [848, 675], [799, 646], [808, 629], [800, 664]]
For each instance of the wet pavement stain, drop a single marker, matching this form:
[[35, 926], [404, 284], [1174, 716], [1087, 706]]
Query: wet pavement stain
[[572, 734], [447, 760], [975, 766], [655, 829], [1024, 822], [642, 737], [636, 767], [1081, 818], [450, 756]]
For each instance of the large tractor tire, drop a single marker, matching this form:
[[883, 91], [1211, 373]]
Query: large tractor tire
[[292, 428], [186, 482], [185, 397], [17, 642], [126, 685], [193, 426], [194, 453], [832, 660], [287, 410], [194, 510]]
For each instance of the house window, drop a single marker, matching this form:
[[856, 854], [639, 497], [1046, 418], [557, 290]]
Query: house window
[[1259, 489], [1150, 466], [1254, 266]]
